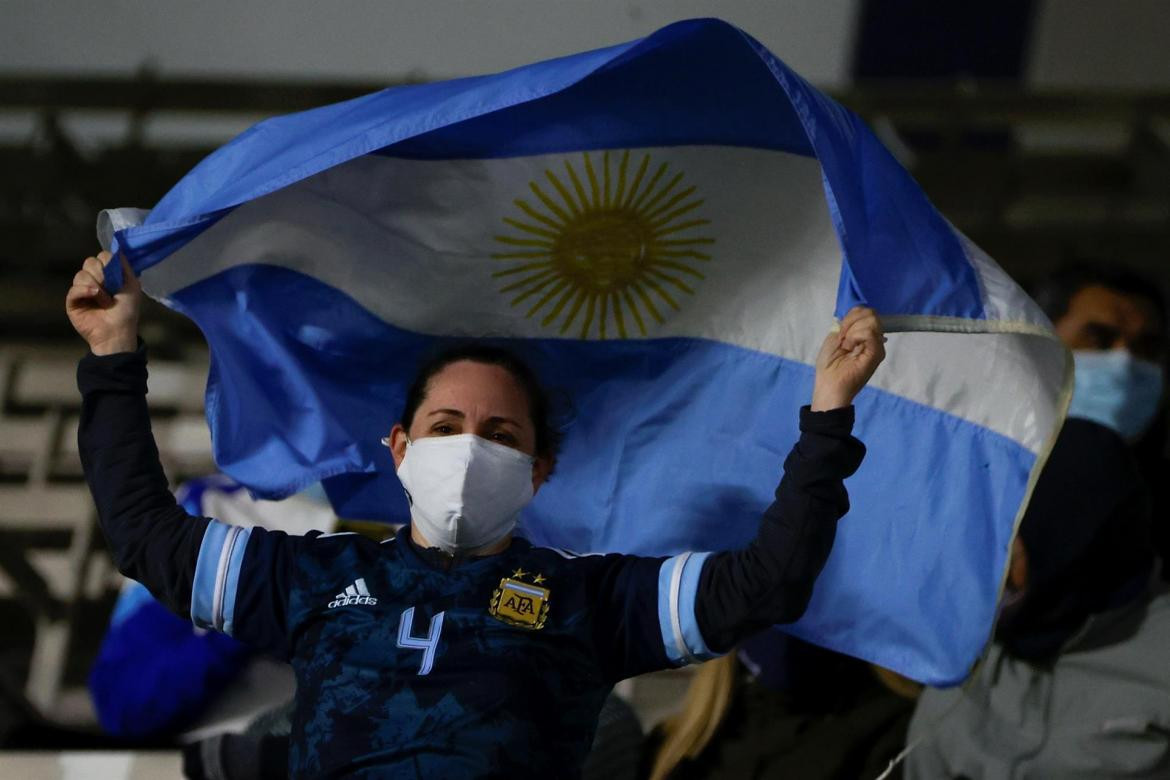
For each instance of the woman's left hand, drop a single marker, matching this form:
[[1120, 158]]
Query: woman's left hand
[[848, 359]]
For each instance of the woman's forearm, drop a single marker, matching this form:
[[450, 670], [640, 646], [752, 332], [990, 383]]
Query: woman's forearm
[[152, 539]]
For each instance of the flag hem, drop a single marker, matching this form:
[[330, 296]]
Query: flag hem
[[930, 323], [1063, 402]]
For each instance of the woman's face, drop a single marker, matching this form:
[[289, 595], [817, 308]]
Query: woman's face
[[478, 398]]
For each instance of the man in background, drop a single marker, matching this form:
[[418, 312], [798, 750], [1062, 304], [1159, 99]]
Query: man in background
[[1115, 324]]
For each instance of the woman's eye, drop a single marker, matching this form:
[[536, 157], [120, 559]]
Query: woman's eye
[[443, 428], [504, 438]]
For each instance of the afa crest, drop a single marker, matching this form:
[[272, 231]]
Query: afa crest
[[519, 603]]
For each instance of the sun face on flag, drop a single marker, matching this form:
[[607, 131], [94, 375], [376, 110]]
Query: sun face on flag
[[606, 248]]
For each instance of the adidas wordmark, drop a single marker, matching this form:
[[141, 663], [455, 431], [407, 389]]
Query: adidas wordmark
[[354, 594]]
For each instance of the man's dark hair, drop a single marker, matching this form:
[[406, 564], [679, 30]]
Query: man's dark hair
[[1055, 291], [548, 437]]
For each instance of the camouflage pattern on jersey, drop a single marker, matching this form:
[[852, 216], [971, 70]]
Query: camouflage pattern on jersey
[[516, 693]]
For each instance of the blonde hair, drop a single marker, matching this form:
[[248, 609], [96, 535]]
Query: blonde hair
[[896, 683], [687, 733]]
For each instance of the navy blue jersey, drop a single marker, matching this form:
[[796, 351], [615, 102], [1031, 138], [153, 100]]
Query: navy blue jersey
[[406, 667], [499, 664]]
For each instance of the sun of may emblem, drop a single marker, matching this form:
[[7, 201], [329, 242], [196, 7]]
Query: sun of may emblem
[[604, 248]]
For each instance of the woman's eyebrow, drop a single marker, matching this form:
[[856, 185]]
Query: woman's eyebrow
[[491, 420]]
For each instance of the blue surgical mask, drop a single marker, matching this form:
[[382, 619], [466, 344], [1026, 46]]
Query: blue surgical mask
[[1117, 390]]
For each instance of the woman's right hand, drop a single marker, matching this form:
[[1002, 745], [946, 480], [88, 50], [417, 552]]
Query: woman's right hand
[[108, 323]]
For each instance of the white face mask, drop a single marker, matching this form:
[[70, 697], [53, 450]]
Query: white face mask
[[465, 492]]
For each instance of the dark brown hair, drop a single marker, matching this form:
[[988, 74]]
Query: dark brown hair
[[1055, 292], [548, 436]]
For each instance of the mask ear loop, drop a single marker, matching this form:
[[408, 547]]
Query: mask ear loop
[[386, 443]]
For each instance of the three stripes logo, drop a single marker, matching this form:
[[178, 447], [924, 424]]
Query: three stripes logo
[[357, 593]]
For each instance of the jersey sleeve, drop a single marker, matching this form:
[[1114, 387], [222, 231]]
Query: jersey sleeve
[[678, 590], [643, 612], [151, 538], [231, 579], [244, 580]]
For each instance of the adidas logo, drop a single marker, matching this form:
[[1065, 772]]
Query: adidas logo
[[354, 594]]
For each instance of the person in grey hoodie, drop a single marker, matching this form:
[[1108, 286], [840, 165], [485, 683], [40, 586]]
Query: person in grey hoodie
[[1077, 681]]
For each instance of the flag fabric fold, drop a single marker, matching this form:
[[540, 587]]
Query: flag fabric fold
[[666, 230]]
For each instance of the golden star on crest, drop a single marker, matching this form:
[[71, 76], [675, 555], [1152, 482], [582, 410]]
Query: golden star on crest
[[538, 579], [519, 573]]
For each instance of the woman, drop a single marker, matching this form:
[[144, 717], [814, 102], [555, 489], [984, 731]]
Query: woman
[[455, 649]]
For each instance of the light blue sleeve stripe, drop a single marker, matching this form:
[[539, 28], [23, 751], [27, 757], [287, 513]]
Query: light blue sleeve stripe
[[678, 582], [203, 590], [672, 643], [689, 587], [232, 582]]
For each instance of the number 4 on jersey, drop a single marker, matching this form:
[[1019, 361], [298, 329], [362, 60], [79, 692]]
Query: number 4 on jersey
[[427, 644]]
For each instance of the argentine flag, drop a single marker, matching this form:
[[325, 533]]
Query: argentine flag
[[666, 230]]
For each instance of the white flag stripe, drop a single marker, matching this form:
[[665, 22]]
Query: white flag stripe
[[350, 591], [361, 587], [413, 240], [418, 237]]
